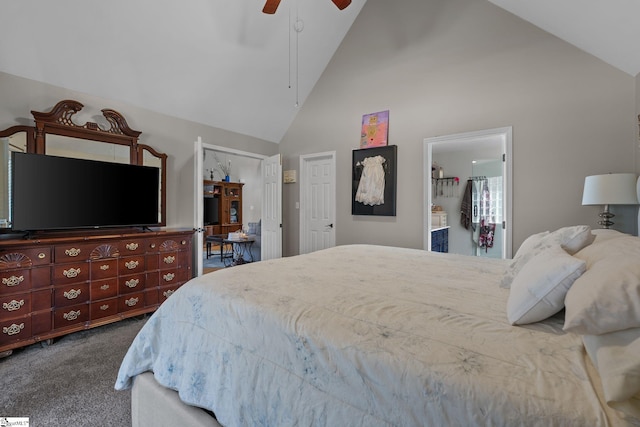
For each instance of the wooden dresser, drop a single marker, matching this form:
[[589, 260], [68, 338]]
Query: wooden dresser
[[55, 285]]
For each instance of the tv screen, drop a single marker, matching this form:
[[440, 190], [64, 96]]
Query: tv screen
[[211, 211], [50, 192]]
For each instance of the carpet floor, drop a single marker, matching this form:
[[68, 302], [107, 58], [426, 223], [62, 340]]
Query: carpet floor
[[70, 382]]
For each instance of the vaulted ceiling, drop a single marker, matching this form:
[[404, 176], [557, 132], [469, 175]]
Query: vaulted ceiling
[[225, 64]]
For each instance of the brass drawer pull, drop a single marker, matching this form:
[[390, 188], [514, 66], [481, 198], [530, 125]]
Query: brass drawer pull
[[104, 287], [132, 246], [12, 281], [42, 255], [104, 307], [71, 273], [169, 259], [168, 277], [72, 315], [13, 305], [72, 252], [104, 267], [132, 283], [13, 329], [131, 264], [131, 301], [168, 293], [72, 294]]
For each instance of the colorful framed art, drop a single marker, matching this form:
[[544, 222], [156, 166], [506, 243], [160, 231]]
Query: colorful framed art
[[375, 130]]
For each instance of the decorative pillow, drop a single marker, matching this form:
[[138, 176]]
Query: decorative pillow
[[538, 291], [604, 234], [615, 357], [571, 239], [607, 297]]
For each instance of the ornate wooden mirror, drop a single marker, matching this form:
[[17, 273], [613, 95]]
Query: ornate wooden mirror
[[55, 133]]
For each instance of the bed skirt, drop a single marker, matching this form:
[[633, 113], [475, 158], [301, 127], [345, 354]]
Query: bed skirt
[[155, 406]]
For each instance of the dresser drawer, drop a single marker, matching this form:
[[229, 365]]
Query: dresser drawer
[[163, 261], [73, 252], [16, 281], [130, 265], [69, 316], [25, 258], [15, 330], [15, 306], [134, 283], [104, 308], [164, 293], [133, 247], [131, 302], [72, 294], [71, 273], [104, 289], [167, 277], [102, 269]]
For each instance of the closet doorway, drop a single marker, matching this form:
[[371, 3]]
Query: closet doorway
[[467, 193]]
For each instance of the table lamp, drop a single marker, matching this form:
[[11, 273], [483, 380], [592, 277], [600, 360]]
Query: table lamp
[[610, 189]]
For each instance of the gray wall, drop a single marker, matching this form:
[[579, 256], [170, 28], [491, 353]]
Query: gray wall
[[164, 133], [451, 66]]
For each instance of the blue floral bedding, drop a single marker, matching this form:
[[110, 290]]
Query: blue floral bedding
[[365, 336]]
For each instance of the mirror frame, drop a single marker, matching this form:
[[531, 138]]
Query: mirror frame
[[59, 121]]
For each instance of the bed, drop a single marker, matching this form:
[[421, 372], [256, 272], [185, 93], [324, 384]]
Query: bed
[[363, 335]]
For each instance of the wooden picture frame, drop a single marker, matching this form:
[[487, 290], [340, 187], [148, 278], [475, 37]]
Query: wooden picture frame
[[374, 181]]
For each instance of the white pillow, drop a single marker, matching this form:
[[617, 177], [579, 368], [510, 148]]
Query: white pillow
[[523, 255], [607, 297], [604, 234], [571, 239], [615, 357], [538, 291]]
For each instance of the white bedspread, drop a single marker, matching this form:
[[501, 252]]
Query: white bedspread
[[365, 336]]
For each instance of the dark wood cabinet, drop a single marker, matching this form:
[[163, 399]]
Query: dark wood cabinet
[[52, 286], [229, 195]]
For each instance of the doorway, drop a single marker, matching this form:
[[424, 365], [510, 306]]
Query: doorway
[[246, 169], [317, 201], [467, 195]]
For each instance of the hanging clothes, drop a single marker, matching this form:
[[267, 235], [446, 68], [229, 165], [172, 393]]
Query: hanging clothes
[[466, 205], [371, 186], [485, 237]]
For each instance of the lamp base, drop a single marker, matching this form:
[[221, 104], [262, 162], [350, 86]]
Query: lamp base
[[606, 216]]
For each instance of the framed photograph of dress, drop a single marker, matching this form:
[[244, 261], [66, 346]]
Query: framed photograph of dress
[[375, 130], [374, 181]]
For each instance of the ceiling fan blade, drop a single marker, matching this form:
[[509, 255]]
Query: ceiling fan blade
[[271, 6], [341, 3]]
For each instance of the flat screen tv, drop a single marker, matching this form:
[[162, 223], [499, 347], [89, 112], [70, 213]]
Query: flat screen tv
[[211, 210], [55, 193]]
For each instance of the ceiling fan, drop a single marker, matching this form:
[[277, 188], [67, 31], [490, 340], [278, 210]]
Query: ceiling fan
[[271, 5]]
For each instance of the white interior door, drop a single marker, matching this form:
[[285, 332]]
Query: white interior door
[[271, 243], [198, 205], [317, 201]]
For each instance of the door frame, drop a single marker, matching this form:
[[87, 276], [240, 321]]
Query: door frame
[[199, 202], [305, 161], [505, 136]]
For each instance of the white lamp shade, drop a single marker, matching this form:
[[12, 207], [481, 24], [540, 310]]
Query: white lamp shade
[[610, 189]]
